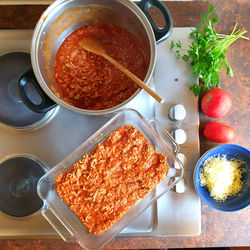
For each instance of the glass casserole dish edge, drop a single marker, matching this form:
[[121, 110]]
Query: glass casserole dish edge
[[65, 222]]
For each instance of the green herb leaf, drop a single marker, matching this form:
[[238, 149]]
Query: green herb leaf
[[178, 44], [178, 53], [214, 20], [185, 58], [172, 45], [207, 53]]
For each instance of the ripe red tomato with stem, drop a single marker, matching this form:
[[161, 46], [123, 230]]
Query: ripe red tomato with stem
[[216, 103], [218, 132]]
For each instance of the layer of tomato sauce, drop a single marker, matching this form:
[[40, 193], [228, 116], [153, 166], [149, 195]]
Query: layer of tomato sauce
[[106, 182], [89, 81]]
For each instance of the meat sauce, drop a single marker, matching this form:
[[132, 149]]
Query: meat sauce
[[102, 186], [89, 81]]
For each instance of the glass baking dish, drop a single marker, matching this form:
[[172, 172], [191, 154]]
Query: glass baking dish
[[65, 222]]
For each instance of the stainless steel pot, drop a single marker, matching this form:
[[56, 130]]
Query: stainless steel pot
[[63, 17]]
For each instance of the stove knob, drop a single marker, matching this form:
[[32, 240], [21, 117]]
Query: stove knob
[[177, 112], [182, 158], [179, 135], [181, 186]]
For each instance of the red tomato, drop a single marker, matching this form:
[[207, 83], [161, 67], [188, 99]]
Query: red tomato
[[216, 103], [218, 132]]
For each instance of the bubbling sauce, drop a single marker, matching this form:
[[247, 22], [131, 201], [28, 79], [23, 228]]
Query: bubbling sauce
[[89, 81]]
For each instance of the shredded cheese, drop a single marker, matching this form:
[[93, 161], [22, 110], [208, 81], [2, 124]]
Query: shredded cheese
[[222, 177]]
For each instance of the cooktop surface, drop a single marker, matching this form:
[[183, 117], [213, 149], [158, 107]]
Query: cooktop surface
[[51, 138]]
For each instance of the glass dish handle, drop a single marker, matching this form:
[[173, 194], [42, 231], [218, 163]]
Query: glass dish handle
[[177, 174], [56, 223], [176, 147]]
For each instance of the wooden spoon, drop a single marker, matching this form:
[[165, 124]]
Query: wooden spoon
[[93, 45]]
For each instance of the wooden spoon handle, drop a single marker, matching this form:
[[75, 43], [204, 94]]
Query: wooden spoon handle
[[157, 97]]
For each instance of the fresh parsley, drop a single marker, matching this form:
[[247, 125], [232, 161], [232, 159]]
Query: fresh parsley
[[207, 53]]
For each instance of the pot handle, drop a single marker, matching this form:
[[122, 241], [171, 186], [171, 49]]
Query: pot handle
[[46, 104], [160, 33]]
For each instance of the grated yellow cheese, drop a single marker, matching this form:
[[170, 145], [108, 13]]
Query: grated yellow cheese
[[222, 177]]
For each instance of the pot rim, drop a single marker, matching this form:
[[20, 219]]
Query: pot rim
[[36, 43]]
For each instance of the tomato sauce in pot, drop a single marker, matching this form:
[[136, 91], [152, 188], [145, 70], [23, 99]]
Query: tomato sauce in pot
[[89, 81]]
